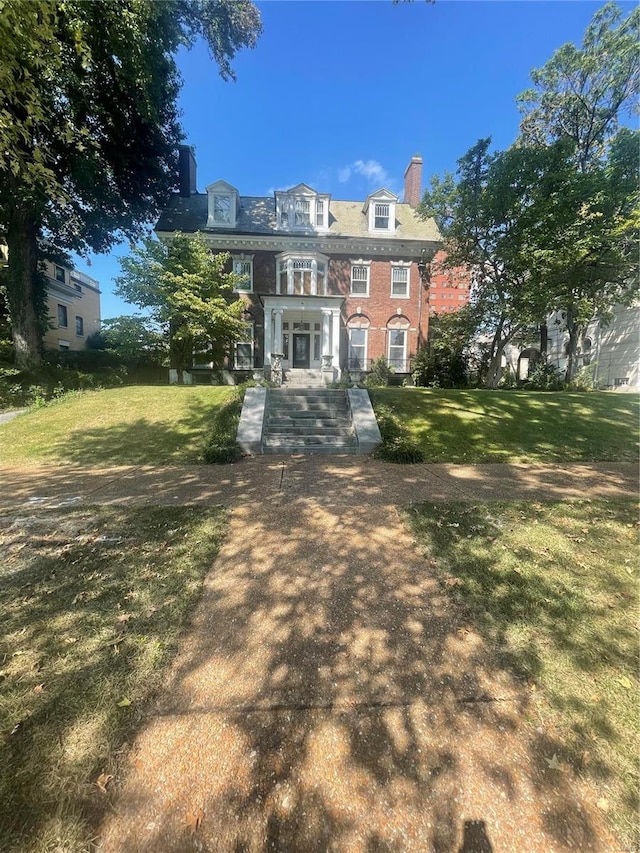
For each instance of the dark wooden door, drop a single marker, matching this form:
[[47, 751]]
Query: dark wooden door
[[301, 351]]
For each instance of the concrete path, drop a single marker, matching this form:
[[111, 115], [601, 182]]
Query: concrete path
[[328, 695], [338, 480]]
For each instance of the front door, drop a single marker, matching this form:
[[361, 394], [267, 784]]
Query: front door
[[301, 351]]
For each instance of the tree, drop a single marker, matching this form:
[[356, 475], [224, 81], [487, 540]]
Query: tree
[[188, 294], [445, 360], [89, 125], [133, 338], [486, 215], [580, 94]]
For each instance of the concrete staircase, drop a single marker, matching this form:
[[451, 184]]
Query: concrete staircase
[[308, 420], [296, 377]]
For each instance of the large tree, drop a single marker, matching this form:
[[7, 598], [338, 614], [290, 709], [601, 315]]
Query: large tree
[[188, 293], [486, 215], [89, 124], [581, 94]]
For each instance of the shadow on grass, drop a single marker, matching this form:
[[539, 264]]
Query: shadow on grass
[[494, 426], [139, 442], [92, 604], [329, 698]]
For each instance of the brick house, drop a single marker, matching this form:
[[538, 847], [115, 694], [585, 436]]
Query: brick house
[[329, 285]]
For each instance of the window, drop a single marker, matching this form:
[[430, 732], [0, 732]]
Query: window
[[79, 327], [243, 352], [222, 209], [381, 216], [78, 288], [397, 349], [360, 279], [618, 382], [302, 212], [60, 275], [243, 268], [316, 347], [62, 316], [302, 275], [320, 213], [400, 281], [357, 349]]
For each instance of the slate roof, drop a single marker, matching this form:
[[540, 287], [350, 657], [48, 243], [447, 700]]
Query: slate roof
[[258, 216]]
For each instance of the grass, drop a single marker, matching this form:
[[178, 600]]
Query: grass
[[139, 425], [93, 601], [516, 426], [553, 589]]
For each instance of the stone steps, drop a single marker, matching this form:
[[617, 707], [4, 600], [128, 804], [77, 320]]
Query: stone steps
[[308, 421]]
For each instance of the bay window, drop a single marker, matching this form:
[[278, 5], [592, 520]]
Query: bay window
[[301, 275]]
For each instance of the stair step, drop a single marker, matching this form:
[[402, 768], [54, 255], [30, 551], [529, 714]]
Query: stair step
[[311, 420], [307, 420]]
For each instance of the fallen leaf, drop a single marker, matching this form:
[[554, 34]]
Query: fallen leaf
[[625, 682], [124, 703], [70, 640], [462, 632], [585, 759], [124, 617], [553, 763], [603, 804], [452, 581], [103, 780], [194, 819], [39, 688]]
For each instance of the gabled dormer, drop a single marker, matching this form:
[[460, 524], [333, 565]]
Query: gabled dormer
[[302, 209], [380, 210], [223, 205]]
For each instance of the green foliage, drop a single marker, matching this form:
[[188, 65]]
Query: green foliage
[[135, 339], [89, 123], [397, 446], [545, 377], [379, 374], [580, 93], [221, 447], [50, 382], [188, 294], [445, 362]]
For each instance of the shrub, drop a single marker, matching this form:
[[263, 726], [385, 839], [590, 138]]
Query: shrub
[[221, 447], [396, 446], [379, 373], [544, 377], [584, 380]]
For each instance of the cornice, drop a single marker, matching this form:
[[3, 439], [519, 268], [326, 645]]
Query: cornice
[[403, 247]]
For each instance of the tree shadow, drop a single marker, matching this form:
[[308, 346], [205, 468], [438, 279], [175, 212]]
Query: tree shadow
[[332, 696]]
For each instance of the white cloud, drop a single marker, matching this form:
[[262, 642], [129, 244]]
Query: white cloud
[[371, 170], [344, 174]]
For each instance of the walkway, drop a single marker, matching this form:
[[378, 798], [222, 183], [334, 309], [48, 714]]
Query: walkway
[[328, 695]]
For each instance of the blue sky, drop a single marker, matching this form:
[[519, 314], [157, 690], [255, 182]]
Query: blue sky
[[340, 95]]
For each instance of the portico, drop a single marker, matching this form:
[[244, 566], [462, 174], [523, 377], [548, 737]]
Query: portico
[[304, 330]]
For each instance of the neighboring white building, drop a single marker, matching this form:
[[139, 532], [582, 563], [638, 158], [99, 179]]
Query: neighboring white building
[[611, 347]]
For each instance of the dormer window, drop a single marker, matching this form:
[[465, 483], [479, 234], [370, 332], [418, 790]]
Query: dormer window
[[222, 209], [223, 204], [381, 216], [380, 209], [301, 209]]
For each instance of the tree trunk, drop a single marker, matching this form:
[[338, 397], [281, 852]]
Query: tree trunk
[[25, 291], [494, 374]]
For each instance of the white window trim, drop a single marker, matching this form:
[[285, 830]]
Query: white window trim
[[401, 265], [383, 197], [243, 259], [221, 189], [248, 340], [367, 265], [315, 257], [366, 345], [404, 348], [286, 203]]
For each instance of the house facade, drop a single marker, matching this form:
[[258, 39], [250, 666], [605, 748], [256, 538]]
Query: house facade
[[329, 285], [73, 303]]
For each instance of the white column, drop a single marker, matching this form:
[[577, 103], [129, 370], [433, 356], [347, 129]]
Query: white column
[[326, 331], [336, 342], [267, 336], [277, 330]]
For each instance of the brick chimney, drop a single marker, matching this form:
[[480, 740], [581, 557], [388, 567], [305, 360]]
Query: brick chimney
[[187, 171], [413, 182]]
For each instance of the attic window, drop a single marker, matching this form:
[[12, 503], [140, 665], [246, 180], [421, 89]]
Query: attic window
[[301, 209], [222, 209], [382, 216]]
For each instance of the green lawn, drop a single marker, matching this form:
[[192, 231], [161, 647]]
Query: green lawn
[[553, 589], [516, 426], [139, 425], [92, 604]]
